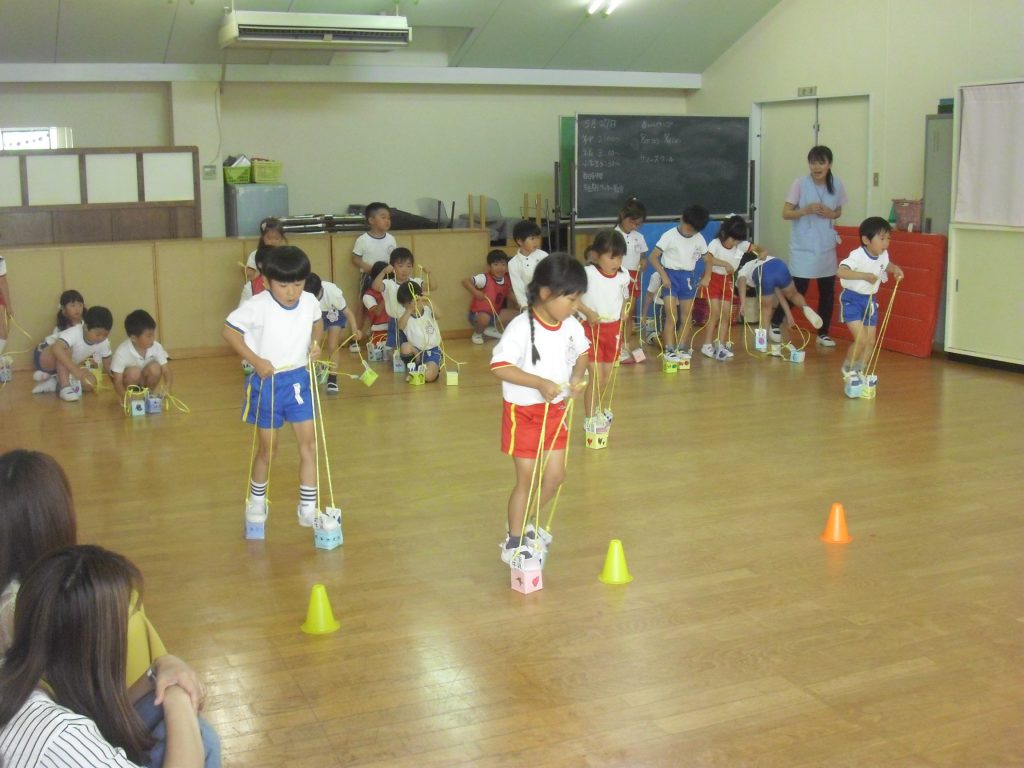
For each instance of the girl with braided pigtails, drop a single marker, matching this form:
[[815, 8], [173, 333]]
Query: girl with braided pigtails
[[541, 360]]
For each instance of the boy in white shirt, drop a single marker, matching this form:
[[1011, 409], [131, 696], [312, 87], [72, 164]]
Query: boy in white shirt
[[422, 344], [675, 258], [336, 315], [771, 278], [277, 332], [860, 274], [372, 247], [391, 278], [725, 251], [140, 360], [63, 358], [526, 235], [631, 218]]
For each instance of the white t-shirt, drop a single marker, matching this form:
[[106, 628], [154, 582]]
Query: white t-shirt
[[747, 270], [74, 337], [333, 299], [422, 331], [250, 263], [520, 272], [860, 260], [731, 255], [679, 251], [606, 293], [127, 356], [390, 294], [559, 347], [43, 733], [370, 301], [373, 249], [636, 247], [480, 281], [276, 333]]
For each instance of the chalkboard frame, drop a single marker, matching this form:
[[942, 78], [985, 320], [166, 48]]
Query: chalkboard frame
[[734, 164]]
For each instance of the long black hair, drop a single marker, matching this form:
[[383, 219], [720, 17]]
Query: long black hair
[[562, 275], [822, 154], [66, 298]]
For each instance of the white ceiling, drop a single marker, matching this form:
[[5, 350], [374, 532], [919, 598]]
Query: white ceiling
[[672, 36]]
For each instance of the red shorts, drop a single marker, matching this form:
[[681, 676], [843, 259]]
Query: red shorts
[[634, 286], [720, 288], [521, 427], [605, 349]]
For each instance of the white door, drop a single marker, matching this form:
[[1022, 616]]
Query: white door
[[788, 129]]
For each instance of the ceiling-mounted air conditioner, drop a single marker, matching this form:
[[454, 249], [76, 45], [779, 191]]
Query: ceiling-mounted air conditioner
[[267, 29]]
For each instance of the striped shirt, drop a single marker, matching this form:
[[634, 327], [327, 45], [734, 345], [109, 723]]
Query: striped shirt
[[43, 734]]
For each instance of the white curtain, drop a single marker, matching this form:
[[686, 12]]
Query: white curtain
[[990, 176]]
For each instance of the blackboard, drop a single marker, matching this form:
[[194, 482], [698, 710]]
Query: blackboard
[[668, 162]]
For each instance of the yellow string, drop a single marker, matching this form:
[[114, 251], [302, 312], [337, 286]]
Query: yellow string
[[255, 435], [707, 296], [876, 353], [170, 400], [14, 324], [497, 318], [567, 421], [132, 392]]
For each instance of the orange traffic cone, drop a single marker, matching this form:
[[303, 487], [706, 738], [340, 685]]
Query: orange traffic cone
[[835, 528]]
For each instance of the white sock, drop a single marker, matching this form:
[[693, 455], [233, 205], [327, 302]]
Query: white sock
[[3, 343]]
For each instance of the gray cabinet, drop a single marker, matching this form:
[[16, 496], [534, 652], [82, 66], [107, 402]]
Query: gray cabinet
[[246, 205]]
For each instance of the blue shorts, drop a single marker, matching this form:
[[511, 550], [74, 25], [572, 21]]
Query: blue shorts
[[854, 306], [682, 283], [339, 320], [396, 338], [472, 317], [432, 355], [773, 274], [286, 396], [35, 359]]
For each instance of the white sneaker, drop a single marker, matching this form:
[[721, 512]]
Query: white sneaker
[[672, 356], [49, 385], [492, 333], [307, 516], [812, 317], [477, 338], [255, 511], [826, 341], [522, 558], [708, 350], [41, 376], [775, 333], [728, 348], [722, 354], [70, 394], [683, 354], [542, 537], [625, 356]]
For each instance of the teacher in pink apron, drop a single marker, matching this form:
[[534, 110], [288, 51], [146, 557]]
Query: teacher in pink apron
[[813, 204]]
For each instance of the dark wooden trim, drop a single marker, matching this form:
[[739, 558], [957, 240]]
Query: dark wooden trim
[[23, 171], [88, 206], [83, 182], [140, 177], [98, 151]]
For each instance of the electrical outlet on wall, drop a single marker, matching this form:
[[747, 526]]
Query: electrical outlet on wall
[[874, 179], [209, 173], [807, 90]]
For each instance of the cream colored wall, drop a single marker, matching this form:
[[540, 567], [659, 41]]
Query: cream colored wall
[[99, 114], [345, 144], [907, 54], [194, 119]]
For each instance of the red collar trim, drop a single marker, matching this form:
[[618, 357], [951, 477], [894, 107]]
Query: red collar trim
[[554, 327], [606, 274]]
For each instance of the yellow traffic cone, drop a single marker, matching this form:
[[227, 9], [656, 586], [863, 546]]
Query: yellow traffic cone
[[319, 616], [615, 570]]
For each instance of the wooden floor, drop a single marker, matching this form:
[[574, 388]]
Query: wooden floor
[[742, 641]]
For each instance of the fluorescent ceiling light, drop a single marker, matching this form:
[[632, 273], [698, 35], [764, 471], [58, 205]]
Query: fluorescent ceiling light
[[594, 7], [612, 6]]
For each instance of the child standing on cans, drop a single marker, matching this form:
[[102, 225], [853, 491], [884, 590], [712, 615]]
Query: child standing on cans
[[5, 304], [421, 342], [603, 305], [490, 291], [140, 360], [674, 258], [631, 218], [373, 303], [721, 262], [541, 360], [775, 287], [860, 274], [336, 315], [277, 332], [62, 358], [526, 235]]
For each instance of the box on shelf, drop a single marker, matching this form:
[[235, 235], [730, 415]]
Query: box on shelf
[[267, 171], [908, 214], [239, 175]]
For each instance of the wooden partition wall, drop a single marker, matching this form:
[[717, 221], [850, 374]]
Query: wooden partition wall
[[190, 286]]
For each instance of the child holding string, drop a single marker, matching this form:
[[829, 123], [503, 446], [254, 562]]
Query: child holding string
[[721, 262], [631, 218], [604, 305], [541, 360]]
